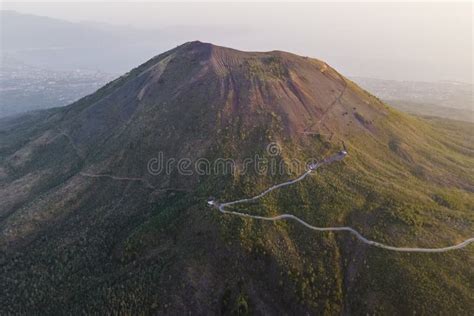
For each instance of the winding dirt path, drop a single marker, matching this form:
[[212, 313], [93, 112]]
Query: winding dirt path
[[221, 207], [144, 181]]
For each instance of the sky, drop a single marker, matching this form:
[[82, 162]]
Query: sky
[[402, 41]]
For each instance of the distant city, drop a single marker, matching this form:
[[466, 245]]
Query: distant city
[[446, 99], [25, 88]]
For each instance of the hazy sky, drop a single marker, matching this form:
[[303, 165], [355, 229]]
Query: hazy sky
[[417, 41]]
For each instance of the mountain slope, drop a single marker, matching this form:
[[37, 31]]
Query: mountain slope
[[87, 228]]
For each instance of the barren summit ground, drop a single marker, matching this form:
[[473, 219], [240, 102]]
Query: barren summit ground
[[73, 243]]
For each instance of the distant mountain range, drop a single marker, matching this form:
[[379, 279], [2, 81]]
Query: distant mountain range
[[63, 45], [65, 61], [86, 227]]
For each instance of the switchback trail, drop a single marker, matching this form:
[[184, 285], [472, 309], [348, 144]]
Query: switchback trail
[[145, 182], [221, 207], [329, 108]]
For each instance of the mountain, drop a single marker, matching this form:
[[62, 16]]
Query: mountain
[[89, 225]]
